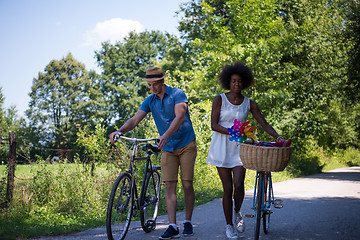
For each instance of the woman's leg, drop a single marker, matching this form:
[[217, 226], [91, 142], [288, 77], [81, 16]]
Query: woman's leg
[[239, 187], [226, 179]]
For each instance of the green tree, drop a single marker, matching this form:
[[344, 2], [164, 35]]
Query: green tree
[[11, 122], [2, 112], [58, 102], [234, 30], [294, 48], [123, 67], [315, 30], [352, 37]]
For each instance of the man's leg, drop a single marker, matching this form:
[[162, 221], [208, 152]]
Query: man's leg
[[171, 200], [187, 164], [189, 198]]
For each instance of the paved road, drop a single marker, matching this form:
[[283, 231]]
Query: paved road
[[321, 206]]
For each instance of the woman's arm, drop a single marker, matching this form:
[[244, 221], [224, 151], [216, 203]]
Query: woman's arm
[[215, 116], [254, 109]]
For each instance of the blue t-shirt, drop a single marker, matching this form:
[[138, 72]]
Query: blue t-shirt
[[163, 112]]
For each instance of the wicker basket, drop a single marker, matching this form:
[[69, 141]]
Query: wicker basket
[[260, 158]]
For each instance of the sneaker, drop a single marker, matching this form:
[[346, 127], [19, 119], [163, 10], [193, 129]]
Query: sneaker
[[230, 232], [188, 230], [239, 222], [170, 233]]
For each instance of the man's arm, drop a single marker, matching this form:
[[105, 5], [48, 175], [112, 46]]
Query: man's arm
[[180, 110], [130, 124]]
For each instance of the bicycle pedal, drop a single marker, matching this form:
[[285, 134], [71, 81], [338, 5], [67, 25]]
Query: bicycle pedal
[[150, 224], [249, 215], [278, 203]]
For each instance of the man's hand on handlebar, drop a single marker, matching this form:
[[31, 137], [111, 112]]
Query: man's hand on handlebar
[[114, 136]]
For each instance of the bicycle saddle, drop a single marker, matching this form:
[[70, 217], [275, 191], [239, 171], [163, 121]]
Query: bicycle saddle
[[153, 148]]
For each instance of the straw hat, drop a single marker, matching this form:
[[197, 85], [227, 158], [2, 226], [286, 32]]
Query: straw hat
[[154, 74]]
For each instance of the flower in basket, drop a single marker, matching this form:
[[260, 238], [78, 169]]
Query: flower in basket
[[239, 132]]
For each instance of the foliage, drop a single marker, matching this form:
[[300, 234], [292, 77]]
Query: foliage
[[95, 144], [58, 102], [123, 67], [206, 180], [296, 51], [305, 58], [10, 122], [58, 198], [352, 37], [96, 148]]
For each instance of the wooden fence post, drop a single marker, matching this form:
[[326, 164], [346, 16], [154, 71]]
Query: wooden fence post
[[11, 172]]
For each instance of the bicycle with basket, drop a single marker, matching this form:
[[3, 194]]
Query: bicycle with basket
[[264, 160]]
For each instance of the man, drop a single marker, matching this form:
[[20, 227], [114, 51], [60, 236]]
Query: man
[[177, 142]]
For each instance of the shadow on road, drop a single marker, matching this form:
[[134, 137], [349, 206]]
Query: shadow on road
[[340, 175]]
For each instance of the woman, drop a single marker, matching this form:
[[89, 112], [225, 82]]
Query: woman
[[224, 154]]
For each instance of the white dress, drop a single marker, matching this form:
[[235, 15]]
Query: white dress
[[222, 151]]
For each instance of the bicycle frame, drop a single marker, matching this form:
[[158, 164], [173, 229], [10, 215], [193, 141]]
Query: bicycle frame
[[135, 147], [263, 196], [265, 205]]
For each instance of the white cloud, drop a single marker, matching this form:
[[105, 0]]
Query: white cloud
[[111, 30]]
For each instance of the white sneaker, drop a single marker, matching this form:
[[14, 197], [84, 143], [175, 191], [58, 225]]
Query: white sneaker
[[230, 232], [239, 222]]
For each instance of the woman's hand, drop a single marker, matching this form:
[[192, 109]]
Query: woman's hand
[[280, 139]]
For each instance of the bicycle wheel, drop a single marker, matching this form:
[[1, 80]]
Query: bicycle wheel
[[267, 203], [149, 200], [259, 203], [120, 207]]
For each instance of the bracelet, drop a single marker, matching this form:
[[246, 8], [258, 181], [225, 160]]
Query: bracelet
[[277, 139]]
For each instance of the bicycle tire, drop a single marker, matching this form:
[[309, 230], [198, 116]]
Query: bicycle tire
[[259, 203], [120, 207], [267, 202], [149, 200]]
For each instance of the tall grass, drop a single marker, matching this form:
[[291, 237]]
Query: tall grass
[[56, 198]]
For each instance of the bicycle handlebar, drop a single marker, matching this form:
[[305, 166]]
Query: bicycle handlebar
[[117, 136]]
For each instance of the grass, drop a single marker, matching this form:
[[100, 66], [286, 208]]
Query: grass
[[52, 199]]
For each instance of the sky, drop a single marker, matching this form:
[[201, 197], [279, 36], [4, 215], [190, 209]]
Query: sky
[[34, 32]]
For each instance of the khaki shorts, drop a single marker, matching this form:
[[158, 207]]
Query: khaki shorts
[[183, 157]]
